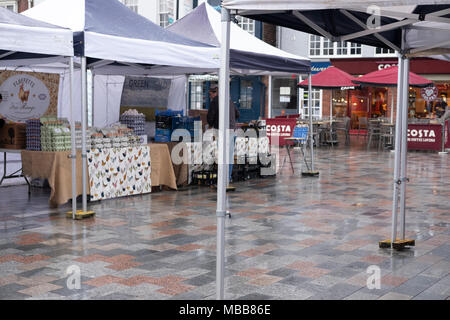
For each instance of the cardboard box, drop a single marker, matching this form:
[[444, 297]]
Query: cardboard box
[[13, 136]]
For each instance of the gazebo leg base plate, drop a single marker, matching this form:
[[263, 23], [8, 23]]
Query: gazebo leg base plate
[[310, 173], [398, 244], [80, 214]]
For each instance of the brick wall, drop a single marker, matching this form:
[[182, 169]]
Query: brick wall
[[22, 5], [269, 34]]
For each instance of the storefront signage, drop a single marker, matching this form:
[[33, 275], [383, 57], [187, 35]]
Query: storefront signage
[[317, 67], [382, 66], [23, 97], [425, 137], [429, 93], [278, 129]]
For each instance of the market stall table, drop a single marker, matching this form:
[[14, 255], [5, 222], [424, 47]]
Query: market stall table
[[56, 168], [14, 174]]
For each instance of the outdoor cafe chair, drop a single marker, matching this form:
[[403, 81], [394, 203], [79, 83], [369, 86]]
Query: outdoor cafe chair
[[374, 133], [344, 126], [362, 123]]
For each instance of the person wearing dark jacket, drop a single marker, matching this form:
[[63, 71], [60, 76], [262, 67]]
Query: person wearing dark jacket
[[213, 121]]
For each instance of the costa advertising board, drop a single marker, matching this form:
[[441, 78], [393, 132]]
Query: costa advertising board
[[425, 137], [277, 129]]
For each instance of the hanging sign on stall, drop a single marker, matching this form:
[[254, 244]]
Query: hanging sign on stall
[[425, 137], [278, 129], [28, 95], [429, 93]]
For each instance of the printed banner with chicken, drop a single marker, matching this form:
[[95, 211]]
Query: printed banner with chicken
[[28, 95], [119, 172]]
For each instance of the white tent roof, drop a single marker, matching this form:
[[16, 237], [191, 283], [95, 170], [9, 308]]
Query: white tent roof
[[249, 54], [23, 40], [108, 32]]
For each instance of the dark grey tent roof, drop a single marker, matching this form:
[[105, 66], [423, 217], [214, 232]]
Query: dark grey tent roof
[[337, 23]]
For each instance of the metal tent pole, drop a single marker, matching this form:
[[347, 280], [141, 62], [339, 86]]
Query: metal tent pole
[[269, 113], [311, 132], [398, 131], [404, 145], [83, 131], [93, 96], [224, 105], [392, 105], [73, 142]]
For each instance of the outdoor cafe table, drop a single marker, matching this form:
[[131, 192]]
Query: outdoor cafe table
[[56, 167]]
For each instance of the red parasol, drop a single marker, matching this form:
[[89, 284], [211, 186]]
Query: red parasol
[[331, 78], [388, 78]]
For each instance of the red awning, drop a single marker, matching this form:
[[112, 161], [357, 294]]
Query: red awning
[[330, 78], [388, 78]]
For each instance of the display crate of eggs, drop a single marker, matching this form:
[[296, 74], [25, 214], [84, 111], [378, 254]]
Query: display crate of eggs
[[78, 137], [135, 122], [33, 134], [55, 138]]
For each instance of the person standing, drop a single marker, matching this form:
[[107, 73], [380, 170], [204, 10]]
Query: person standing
[[213, 122]]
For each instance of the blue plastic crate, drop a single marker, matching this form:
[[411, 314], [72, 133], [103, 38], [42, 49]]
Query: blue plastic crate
[[169, 113], [163, 132], [159, 138]]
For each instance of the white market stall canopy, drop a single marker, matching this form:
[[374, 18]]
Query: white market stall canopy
[[25, 41], [117, 40], [248, 54], [376, 23]]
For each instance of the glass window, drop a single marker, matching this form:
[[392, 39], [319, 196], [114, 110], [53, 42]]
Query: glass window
[[166, 12], [384, 51], [246, 94], [246, 24], [341, 48], [319, 46], [132, 4], [328, 47], [197, 94], [316, 103], [355, 48], [284, 96], [10, 5], [314, 45]]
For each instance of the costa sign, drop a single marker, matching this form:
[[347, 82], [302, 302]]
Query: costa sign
[[23, 97], [278, 129], [425, 137], [385, 65]]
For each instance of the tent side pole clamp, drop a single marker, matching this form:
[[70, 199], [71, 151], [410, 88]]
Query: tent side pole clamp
[[221, 214], [72, 156], [84, 155]]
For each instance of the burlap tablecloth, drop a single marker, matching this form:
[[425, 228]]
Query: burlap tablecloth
[[56, 167], [181, 170]]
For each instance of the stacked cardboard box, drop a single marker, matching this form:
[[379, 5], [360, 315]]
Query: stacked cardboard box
[[13, 136]]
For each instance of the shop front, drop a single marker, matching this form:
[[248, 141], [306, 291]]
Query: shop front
[[379, 101]]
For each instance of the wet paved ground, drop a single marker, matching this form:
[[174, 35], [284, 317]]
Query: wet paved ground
[[289, 237]]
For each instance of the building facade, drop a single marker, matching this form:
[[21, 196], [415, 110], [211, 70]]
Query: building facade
[[357, 60], [16, 5]]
